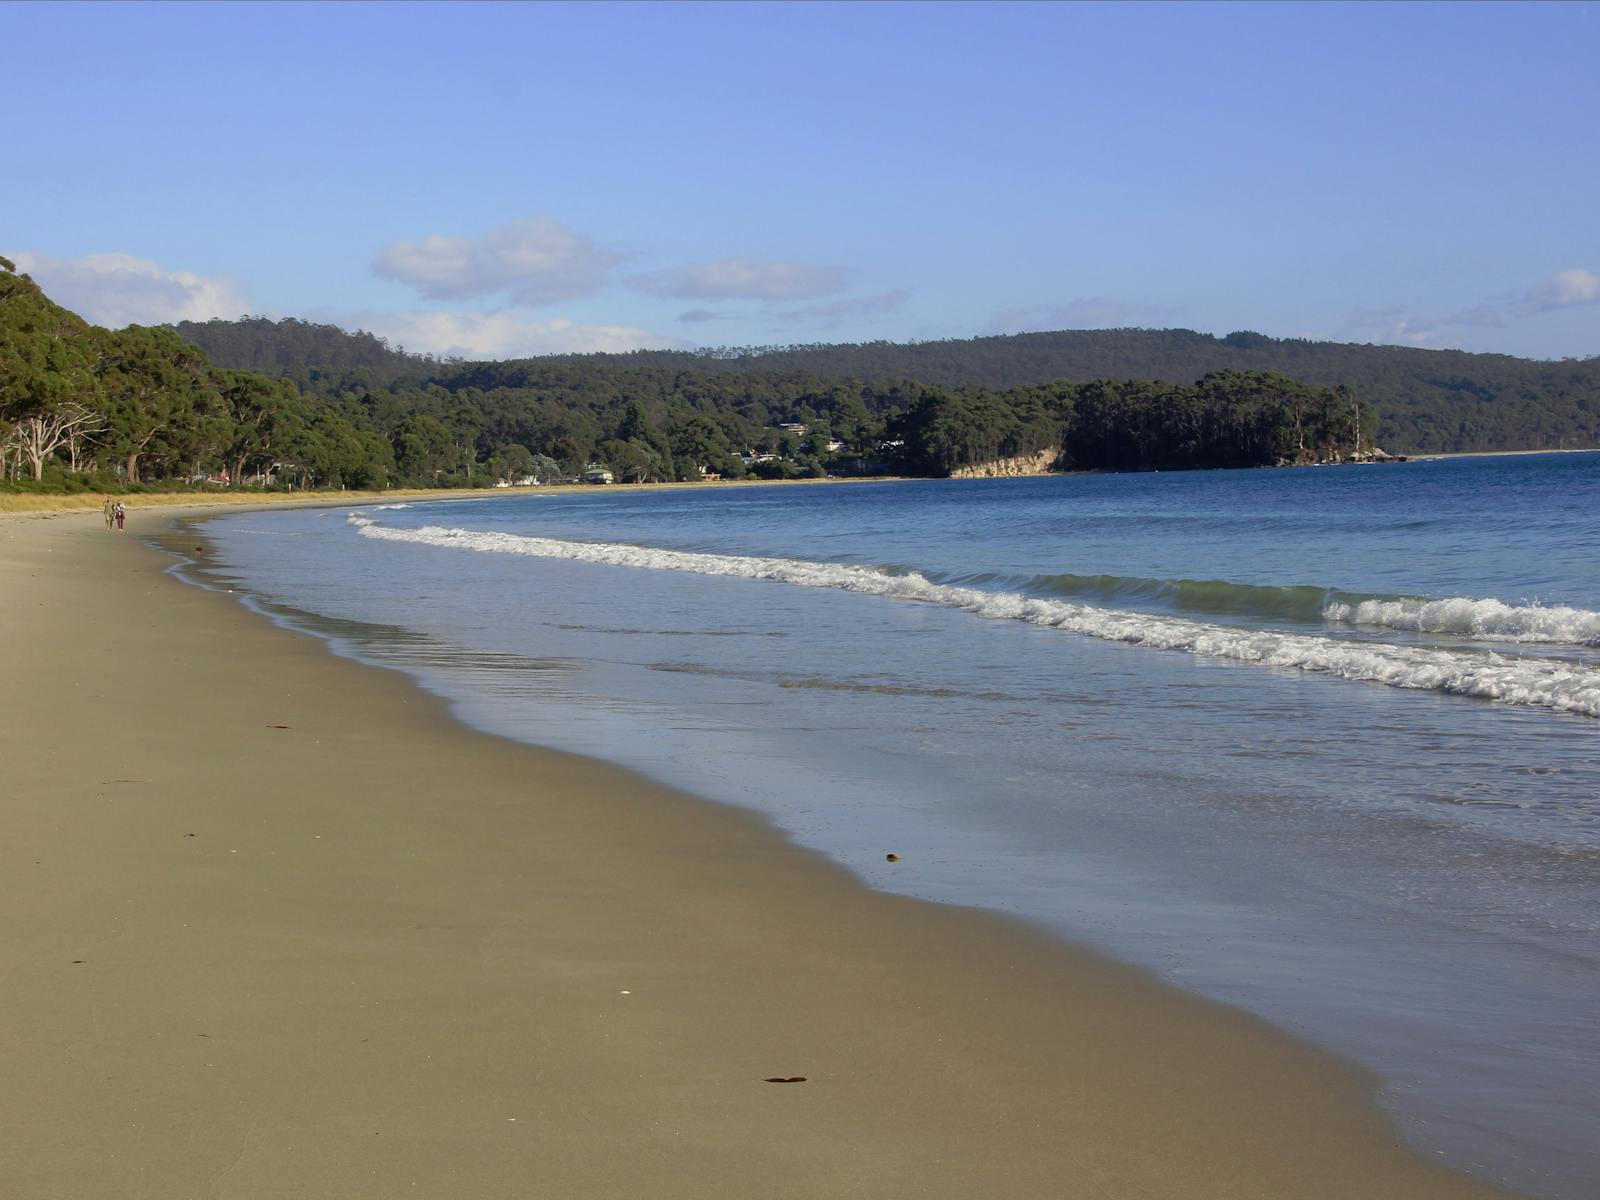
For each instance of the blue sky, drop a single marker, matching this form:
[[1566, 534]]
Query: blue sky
[[503, 179]]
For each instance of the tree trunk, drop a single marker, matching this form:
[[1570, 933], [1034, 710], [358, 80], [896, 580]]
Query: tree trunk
[[133, 466]]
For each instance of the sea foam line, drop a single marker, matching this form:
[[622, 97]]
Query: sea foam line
[[1487, 619], [1563, 686]]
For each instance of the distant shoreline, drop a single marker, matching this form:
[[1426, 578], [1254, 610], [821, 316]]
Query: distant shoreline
[[44, 503], [1498, 453]]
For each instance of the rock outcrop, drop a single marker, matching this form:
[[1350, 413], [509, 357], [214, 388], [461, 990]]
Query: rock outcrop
[[1022, 464]]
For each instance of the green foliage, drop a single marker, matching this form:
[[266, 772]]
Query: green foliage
[[946, 430], [1423, 400], [78, 402], [290, 403], [304, 352], [1227, 419]]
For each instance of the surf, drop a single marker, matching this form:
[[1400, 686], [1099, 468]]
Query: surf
[[1507, 679]]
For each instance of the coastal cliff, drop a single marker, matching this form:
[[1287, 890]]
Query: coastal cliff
[[1039, 463]]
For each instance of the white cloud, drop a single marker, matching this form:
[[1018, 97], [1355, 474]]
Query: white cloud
[[1094, 312], [536, 261], [1564, 289], [743, 278], [508, 333], [117, 289]]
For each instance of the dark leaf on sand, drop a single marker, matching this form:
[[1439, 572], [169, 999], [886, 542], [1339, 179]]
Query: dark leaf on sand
[[785, 1079]]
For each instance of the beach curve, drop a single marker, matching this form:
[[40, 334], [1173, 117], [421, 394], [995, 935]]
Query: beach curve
[[282, 928]]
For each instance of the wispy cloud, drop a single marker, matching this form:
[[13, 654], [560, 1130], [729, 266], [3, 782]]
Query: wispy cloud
[[533, 262], [1564, 289], [851, 308], [1388, 327], [508, 333], [118, 289], [1094, 312], [695, 316], [1397, 327], [743, 278], [1485, 316]]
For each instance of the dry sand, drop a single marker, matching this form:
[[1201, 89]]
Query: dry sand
[[274, 926]]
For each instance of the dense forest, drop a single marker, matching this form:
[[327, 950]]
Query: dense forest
[[1427, 401], [290, 404], [657, 417], [83, 406]]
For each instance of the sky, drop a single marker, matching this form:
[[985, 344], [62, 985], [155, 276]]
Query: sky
[[500, 180]]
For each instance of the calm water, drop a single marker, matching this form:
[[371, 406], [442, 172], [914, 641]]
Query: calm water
[[1322, 743]]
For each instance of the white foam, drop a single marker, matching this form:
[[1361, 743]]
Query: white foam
[[1564, 686], [1489, 620]]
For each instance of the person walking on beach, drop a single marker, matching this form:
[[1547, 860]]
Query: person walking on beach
[[122, 514], [110, 511]]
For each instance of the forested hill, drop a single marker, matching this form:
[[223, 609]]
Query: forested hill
[[1079, 355], [87, 407], [303, 350], [1427, 400]]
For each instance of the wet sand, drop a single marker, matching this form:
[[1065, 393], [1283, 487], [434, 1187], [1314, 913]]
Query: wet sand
[[277, 927]]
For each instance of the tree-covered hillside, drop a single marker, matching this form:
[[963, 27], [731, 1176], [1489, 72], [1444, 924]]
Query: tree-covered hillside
[[676, 416], [84, 406], [302, 350], [81, 405], [1426, 400]]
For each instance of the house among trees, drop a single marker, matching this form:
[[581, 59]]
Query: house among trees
[[82, 406]]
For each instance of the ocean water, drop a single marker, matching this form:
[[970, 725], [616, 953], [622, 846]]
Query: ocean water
[[1321, 743]]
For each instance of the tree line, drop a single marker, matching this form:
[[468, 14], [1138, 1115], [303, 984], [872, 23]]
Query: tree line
[[293, 404], [1426, 401], [1226, 419]]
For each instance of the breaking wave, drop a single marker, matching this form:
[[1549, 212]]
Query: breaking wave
[[1563, 686], [1218, 596], [1489, 620]]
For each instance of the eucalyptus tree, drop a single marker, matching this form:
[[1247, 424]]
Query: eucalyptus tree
[[39, 434], [151, 382], [47, 375], [424, 449], [263, 416]]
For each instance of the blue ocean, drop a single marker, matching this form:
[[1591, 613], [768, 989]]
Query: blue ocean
[[1321, 743]]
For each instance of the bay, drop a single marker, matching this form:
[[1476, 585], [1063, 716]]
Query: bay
[[1320, 743]]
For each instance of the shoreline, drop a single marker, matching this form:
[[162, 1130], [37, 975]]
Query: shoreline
[[1426, 457], [17, 504], [286, 927], [14, 504]]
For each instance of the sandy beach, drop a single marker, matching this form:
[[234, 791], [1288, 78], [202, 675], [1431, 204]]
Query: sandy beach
[[278, 927]]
